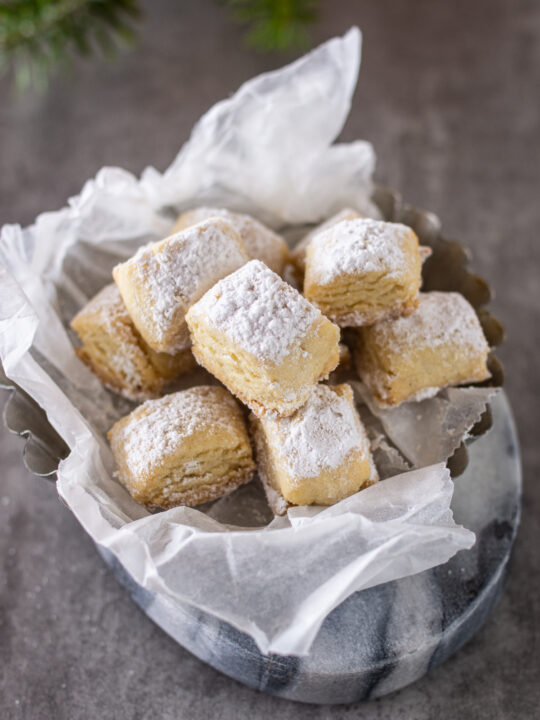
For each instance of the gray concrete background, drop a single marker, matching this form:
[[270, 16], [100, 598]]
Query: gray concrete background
[[448, 95]]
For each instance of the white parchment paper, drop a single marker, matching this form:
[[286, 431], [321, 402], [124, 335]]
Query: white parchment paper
[[267, 150]]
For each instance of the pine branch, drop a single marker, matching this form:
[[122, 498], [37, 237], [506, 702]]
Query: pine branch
[[276, 24], [37, 36]]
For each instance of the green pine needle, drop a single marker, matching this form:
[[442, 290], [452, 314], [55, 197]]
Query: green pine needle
[[37, 36], [276, 24]]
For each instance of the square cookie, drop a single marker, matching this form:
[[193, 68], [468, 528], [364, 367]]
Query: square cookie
[[260, 242], [114, 350], [361, 271], [161, 281], [318, 455], [262, 339], [183, 449], [412, 358]]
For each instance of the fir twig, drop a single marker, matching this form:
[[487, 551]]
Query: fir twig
[[276, 24], [36, 36]]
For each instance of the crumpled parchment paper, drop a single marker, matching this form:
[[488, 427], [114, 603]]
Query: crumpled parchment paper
[[266, 150], [417, 434]]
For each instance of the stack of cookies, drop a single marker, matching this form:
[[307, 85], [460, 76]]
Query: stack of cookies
[[213, 293]]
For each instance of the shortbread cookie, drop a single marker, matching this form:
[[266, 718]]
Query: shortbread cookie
[[412, 358], [299, 252], [260, 242], [262, 339], [361, 271], [318, 455], [183, 449], [161, 281], [114, 350]]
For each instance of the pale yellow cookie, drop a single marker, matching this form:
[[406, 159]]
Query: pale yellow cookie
[[184, 449], [114, 350], [361, 271], [412, 358], [260, 242], [262, 339], [318, 455], [161, 281]]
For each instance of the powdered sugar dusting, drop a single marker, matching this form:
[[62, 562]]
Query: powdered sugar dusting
[[177, 271], [345, 214], [107, 306], [441, 317], [320, 435], [255, 308], [261, 243], [157, 427], [358, 246]]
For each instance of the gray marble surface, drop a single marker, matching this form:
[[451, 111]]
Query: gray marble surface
[[448, 94]]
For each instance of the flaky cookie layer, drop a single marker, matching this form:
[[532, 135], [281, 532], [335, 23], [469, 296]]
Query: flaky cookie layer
[[186, 448], [205, 492], [440, 345], [361, 271]]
